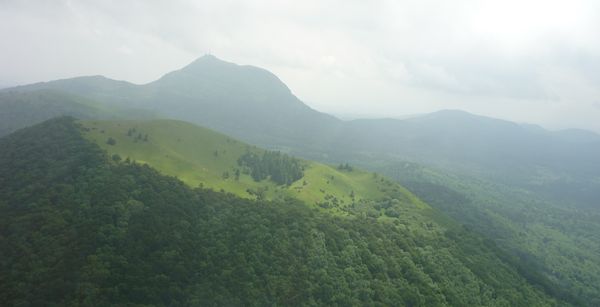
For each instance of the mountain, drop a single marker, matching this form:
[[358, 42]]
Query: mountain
[[244, 101], [83, 228], [237, 100], [561, 165], [253, 105], [484, 172], [19, 109], [94, 87]]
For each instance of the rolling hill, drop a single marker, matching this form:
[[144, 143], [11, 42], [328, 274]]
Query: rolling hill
[[20, 109], [84, 228], [202, 157], [562, 165]]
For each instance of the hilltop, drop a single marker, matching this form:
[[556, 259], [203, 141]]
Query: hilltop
[[202, 157]]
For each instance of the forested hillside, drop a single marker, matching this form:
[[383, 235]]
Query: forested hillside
[[80, 228], [558, 239]]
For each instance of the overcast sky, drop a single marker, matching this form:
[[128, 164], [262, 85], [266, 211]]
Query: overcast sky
[[535, 61]]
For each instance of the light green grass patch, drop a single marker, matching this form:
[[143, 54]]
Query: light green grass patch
[[200, 157]]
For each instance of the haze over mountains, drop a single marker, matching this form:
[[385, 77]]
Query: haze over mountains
[[254, 105], [533, 192]]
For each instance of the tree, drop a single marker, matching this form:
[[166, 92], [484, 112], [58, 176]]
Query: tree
[[111, 141], [280, 168], [345, 167]]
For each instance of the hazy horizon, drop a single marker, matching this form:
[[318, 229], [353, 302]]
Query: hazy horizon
[[293, 153], [380, 59]]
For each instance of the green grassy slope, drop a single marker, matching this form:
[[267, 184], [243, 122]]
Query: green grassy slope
[[199, 156]]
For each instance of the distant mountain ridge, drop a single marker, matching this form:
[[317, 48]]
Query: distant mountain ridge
[[253, 105], [245, 101]]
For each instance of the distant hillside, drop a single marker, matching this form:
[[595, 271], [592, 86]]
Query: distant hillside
[[19, 109], [247, 102], [562, 165], [99, 88]]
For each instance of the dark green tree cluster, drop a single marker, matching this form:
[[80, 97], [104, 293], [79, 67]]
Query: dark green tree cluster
[[139, 137], [79, 230], [345, 167], [280, 168]]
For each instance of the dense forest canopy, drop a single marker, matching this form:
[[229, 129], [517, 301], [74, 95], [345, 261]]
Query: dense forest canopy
[[82, 229]]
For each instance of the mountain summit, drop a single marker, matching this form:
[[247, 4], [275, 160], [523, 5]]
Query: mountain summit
[[210, 75], [244, 101], [207, 63]]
